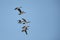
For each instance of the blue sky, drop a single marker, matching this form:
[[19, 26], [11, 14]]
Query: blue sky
[[43, 14]]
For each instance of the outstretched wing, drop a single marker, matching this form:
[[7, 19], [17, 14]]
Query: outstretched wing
[[19, 10], [26, 32], [23, 19], [23, 27]]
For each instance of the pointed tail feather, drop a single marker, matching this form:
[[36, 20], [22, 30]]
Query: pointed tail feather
[[23, 12]]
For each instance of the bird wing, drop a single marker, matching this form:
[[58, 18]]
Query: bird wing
[[23, 27], [23, 30], [15, 8], [19, 10], [26, 32], [23, 19]]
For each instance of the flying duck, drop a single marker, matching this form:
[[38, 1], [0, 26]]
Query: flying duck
[[20, 12], [24, 21], [25, 28]]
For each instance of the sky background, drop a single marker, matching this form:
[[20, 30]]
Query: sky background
[[43, 14]]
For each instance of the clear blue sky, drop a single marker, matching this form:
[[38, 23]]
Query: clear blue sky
[[43, 14]]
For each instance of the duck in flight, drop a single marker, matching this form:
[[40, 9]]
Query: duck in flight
[[20, 12], [25, 28], [24, 20]]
